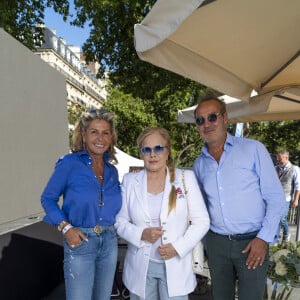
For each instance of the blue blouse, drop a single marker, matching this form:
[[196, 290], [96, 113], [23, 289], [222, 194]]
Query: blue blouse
[[74, 179]]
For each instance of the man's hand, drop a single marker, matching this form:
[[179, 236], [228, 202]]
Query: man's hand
[[295, 203], [257, 249]]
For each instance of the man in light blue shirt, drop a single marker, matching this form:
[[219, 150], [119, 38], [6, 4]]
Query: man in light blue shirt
[[245, 200]]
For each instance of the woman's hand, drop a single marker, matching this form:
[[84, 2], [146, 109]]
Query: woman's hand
[[167, 251], [74, 237], [152, 234]]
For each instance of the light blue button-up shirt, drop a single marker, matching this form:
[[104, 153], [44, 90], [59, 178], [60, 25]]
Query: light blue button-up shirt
[[242, 192]]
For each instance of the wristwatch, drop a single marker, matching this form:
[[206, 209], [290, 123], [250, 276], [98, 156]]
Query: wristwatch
[[61, 225]]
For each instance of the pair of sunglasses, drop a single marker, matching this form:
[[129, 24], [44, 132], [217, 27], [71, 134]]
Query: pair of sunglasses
[[100, 111], [158, 149], [210, 118]]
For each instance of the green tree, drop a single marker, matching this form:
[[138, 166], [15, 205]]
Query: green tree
[[185, 138], [145, 95], [21, 18], [131, 118], [111, 43], [279, 135], [74, 112], [133, 115], [160, 92]]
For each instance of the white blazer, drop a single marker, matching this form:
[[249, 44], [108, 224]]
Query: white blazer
[[134, 217]]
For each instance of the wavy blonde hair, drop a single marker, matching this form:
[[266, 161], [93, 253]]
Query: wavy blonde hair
[[82, 125], [170, 162]]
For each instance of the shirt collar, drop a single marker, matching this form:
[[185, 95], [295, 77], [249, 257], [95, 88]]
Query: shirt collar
[[287, 165], [228, 143], [88, 159]]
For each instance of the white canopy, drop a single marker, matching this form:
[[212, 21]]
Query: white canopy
[[187, 115], [232, 46]]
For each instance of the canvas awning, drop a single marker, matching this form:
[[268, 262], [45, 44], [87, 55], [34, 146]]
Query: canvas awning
[[233, 46]]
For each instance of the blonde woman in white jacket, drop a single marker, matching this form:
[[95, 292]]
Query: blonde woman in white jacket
[[154, 221]]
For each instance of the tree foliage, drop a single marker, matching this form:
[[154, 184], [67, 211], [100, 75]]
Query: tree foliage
[[111, 43], [133, 115], [74, 112], [159, 92], [277, 136], [144, 95], [131, 118], [21, 18]]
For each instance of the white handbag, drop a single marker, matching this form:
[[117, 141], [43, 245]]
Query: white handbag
[[198, 258], [198, 251]]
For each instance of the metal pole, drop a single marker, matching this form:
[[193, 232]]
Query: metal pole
[[298, 224]]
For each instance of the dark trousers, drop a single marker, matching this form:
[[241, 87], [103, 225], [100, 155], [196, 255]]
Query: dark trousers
[[227, 264]]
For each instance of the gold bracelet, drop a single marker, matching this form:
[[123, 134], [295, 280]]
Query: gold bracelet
[[61, 225]]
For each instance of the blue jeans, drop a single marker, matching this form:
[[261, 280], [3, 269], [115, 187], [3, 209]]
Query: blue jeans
[[284, 223], [156, 284], [89, 268]]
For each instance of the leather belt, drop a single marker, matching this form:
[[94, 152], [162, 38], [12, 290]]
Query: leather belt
[[239, 236], [98, 229]]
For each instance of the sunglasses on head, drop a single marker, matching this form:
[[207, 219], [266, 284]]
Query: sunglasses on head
[[156, 149], [211, 118], [100, 111]]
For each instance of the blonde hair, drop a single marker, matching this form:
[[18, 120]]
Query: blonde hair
[[82, 125], [170, 162]]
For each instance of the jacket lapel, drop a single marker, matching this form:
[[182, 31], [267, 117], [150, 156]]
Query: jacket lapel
[[140, 189], [165, 203]]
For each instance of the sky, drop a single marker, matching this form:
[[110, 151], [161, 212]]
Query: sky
[[74, 36]]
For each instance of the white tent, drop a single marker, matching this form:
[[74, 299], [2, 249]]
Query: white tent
[[126, 162]]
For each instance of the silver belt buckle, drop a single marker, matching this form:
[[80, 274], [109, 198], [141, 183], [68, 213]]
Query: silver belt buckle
[[97, 229]]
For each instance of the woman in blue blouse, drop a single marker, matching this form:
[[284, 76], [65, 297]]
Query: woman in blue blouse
[[89, 184]]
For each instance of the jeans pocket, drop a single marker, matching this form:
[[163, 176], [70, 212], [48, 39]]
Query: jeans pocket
[[71, 249]]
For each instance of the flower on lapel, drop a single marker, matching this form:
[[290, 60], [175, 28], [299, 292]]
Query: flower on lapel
[[178, 189]]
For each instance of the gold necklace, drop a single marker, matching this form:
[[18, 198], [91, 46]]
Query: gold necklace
[[100, 176]]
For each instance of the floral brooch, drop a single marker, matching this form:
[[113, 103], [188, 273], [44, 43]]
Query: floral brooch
[[179, 192]]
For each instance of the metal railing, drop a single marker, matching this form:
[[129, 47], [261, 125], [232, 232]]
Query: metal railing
[[292, 215]]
